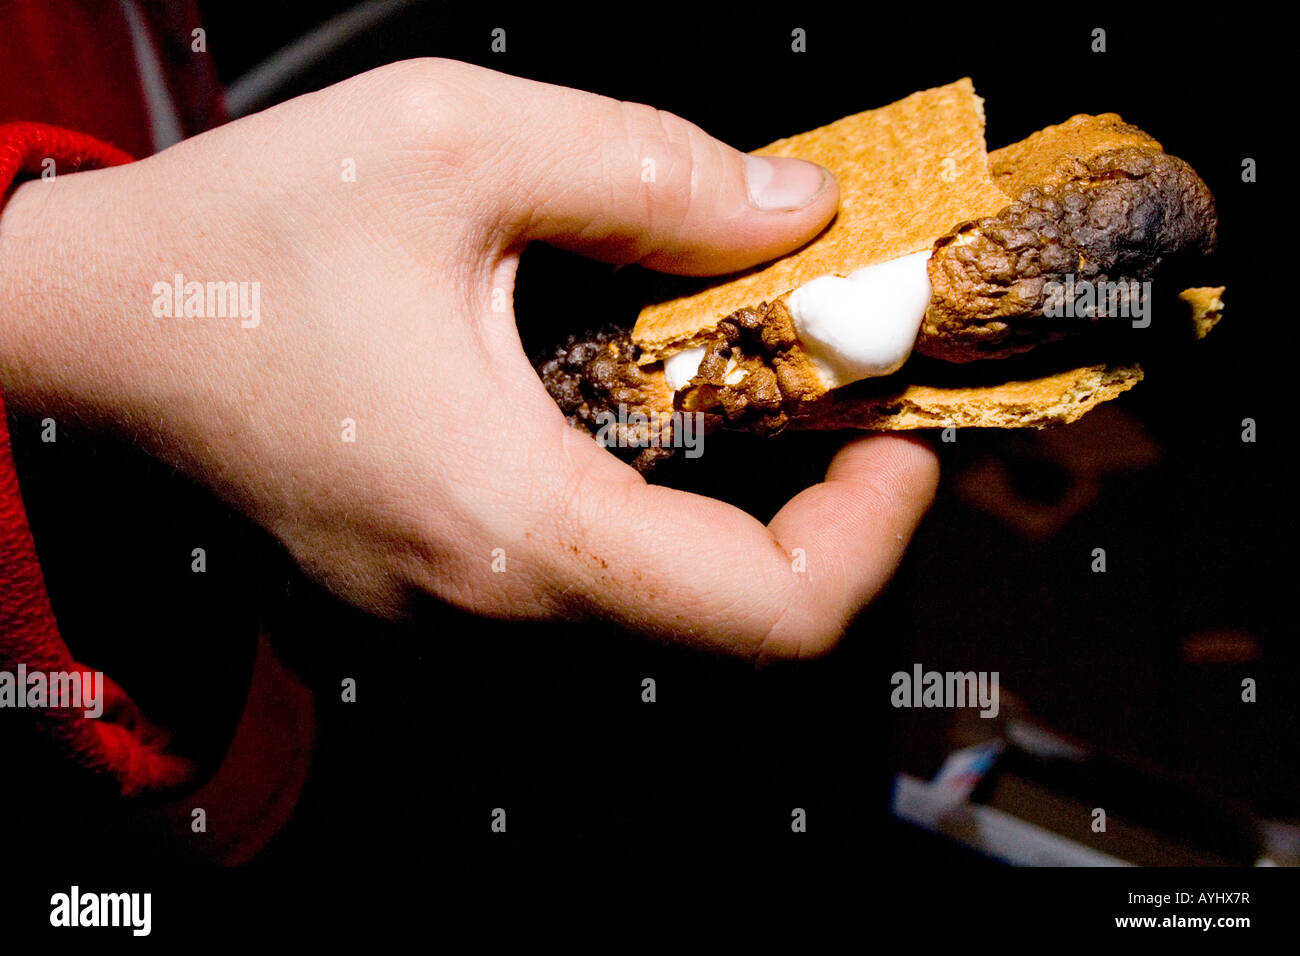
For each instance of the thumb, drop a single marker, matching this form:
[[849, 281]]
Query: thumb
[[624, 182]]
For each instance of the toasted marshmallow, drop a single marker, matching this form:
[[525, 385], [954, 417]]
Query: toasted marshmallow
[[851, 327], [732, 375], [864, 324], [682, 367]]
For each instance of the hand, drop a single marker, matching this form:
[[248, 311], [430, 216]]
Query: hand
[[375, 305]]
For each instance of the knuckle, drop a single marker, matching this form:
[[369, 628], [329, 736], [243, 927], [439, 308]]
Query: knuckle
[[426, 104], [579, 573], [476, 575], [670, 143], [799, 630], [571, 519]]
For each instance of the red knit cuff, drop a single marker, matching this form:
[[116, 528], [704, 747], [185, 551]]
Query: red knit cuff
[[120, 744], [26, 147]]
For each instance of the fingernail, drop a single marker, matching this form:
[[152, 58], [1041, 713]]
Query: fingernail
[[778, 182]]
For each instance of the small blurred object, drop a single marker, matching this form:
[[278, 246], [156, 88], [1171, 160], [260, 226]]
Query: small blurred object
[[1037, 481], [1220, 647], [1030, 798]]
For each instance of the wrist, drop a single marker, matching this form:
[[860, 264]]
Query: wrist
[[49, 238], [80, 259]]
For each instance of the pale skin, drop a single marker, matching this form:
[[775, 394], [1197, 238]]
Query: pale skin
[[376, 306]]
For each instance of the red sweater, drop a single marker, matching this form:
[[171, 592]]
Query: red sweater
[[70, 91]]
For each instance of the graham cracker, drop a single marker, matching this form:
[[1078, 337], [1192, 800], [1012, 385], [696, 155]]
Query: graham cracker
[[1206, 305], [908, 173], [1030, 403]]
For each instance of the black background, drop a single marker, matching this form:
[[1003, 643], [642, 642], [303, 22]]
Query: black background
[[460, 715]]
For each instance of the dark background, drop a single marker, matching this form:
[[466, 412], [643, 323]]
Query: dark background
[[460, 715]]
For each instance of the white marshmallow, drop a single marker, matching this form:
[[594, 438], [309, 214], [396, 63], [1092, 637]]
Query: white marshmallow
[[864, 324], [681, 368]]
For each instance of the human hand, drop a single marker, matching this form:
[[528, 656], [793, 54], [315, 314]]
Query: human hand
[[376, 306]]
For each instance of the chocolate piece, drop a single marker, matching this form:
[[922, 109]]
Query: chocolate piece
[[1137, 209], [595, 380], [752, 372]]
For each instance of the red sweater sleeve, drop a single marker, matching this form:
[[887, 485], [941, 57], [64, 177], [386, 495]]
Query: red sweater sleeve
[[120, 744], [72, 66]]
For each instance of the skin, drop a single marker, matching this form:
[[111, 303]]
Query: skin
[[376, 305]]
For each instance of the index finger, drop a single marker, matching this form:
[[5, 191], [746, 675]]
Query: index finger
[[678, 565]]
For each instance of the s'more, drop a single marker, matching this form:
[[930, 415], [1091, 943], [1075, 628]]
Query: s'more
[[954, 287]]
